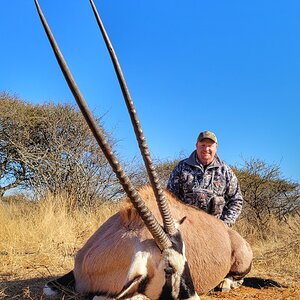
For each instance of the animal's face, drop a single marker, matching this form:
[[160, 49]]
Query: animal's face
[[173, 280], [177, 272]]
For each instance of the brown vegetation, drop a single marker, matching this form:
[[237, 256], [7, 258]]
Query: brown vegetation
[[39, 241]]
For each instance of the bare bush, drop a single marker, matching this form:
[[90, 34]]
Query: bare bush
[[163, 169], [266, 193]]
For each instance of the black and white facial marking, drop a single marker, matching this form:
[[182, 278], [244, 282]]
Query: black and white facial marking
[[178, 280]]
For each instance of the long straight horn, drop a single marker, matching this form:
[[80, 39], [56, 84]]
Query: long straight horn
[[162, 203], [152, 224]]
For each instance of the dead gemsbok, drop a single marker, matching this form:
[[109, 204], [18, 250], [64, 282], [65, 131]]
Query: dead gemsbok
[[131, 255]]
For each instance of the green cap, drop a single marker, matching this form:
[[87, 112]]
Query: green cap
[[207, 135]]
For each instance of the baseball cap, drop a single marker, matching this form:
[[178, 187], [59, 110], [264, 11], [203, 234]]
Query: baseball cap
[[207, 135]]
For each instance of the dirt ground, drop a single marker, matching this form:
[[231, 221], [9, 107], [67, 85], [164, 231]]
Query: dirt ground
[[266, 293], [12, 287]]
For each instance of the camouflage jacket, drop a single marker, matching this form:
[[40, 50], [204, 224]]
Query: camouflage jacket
[[214, 189]]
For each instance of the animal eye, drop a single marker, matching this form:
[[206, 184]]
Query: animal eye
[[169, 270]]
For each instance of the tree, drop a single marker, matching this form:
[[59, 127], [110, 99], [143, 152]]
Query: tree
[[49, 148], [163, 169], [14, 171], [266, 193]]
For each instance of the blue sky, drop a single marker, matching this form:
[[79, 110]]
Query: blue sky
[[229, 66]]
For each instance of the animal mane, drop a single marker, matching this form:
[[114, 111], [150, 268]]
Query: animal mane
[[129, 214]]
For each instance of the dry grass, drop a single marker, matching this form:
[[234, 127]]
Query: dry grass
[[278, 255], [39, 241]]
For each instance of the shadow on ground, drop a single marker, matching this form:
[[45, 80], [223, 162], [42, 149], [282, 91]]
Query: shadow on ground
[[32, 289], [259, 283]]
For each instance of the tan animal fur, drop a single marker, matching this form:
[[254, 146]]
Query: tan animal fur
[[212, 249]]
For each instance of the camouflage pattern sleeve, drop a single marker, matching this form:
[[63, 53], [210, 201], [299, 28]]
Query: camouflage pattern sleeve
[[233, 200], [174, 185]]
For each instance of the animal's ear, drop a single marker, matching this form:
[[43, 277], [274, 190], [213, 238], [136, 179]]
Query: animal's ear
[[136, 274], [130, 287], [182, 220]]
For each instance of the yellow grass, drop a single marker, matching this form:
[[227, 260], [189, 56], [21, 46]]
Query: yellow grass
[[278, 255], [45, 235], [39, 241]]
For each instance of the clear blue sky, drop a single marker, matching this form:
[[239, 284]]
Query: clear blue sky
[[229, 66]]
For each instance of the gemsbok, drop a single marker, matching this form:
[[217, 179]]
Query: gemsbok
[[133, 256]]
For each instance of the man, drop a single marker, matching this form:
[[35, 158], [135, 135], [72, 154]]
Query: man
[[204, 181]]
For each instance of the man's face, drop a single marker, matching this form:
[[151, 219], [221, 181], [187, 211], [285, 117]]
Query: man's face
[[206, 151]]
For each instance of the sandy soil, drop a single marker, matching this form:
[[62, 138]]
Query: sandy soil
[[12, 287]]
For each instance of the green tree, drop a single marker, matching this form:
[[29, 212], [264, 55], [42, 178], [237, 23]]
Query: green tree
[[49, 148]]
